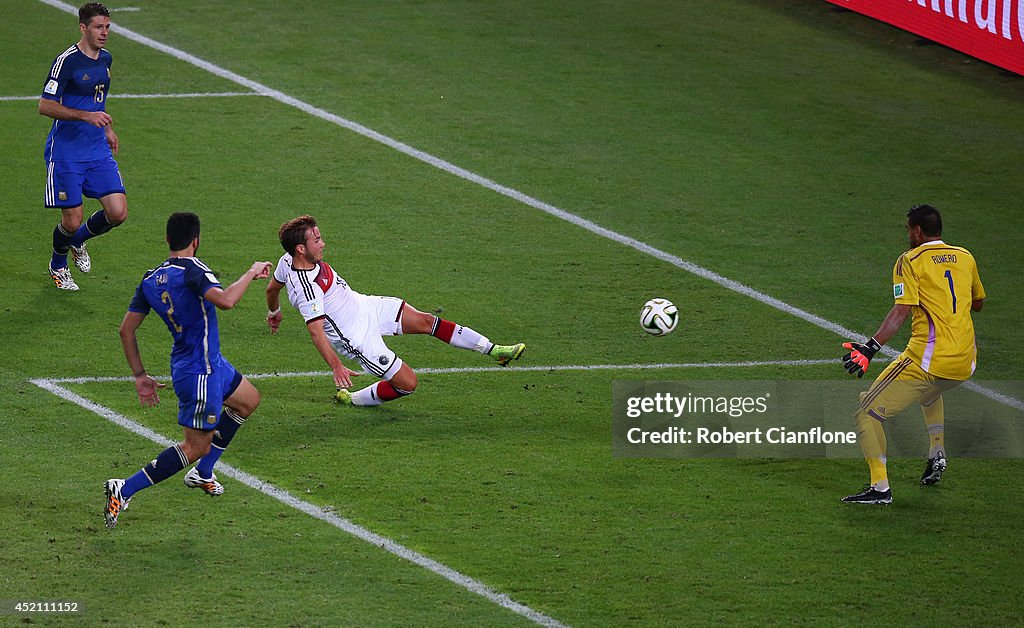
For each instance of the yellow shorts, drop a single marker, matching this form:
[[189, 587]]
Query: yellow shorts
[[901, 384]]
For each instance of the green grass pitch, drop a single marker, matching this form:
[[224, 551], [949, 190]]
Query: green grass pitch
[[774, 143]]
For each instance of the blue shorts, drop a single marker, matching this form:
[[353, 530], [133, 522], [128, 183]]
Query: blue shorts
[[67, 181], [200, 397]]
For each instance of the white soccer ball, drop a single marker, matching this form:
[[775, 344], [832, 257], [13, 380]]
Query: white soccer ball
[[659, 317]]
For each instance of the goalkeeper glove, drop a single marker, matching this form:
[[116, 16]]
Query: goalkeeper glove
[[856, 361]]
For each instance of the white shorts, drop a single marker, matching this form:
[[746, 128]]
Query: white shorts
[[368, 349]]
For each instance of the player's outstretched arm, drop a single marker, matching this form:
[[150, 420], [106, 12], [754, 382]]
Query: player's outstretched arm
[[857, 360], [274, 315], [227, 298], [342, 374], [145, 386], [892, 323]]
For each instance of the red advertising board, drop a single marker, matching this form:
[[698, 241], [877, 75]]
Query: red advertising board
[[991, 30]]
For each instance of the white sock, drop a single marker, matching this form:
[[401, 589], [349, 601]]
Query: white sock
[[460, 336], [466, 338], [366, 397]]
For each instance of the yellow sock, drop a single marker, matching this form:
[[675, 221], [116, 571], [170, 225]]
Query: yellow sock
[[879, 476], [934, 420], [872, 443]]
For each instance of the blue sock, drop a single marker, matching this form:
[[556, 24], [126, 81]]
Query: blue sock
[[169, 462], [61, 243], [96, 225], [230, 421], [135, 483]]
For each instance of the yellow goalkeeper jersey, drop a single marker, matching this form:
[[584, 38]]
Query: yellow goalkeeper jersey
[[940, 282]]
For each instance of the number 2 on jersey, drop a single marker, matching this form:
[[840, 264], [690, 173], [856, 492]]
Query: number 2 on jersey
[[952, 293], [166, 298]]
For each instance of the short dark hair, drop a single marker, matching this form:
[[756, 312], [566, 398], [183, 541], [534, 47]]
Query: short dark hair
[[90, 10], [182, 228], [293, 232], [926, 217]]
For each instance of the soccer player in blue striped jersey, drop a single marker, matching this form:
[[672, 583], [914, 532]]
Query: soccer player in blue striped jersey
[[186, 294], [80, 148]]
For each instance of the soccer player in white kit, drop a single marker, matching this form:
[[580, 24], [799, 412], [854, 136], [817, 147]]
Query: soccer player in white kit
[[344, 322]]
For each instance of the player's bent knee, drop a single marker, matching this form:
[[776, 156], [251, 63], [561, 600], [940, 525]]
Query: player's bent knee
[[245, 399], [195, 450], [243, 410], [115, 208], [250, 401], [71, 224], [406, 381], [116, 218]]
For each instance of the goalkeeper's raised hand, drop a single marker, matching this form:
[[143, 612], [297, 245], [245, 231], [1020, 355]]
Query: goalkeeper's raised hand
[[856, 361]]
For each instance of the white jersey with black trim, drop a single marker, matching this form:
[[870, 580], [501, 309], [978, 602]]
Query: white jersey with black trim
[[320, 293]]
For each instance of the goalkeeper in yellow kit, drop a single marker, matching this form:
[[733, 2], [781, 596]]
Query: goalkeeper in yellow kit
[[939, 285]]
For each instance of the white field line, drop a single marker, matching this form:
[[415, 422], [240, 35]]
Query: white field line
[[450, 168], [117, 96], [283, 496], [53, 386], [489, 369]]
